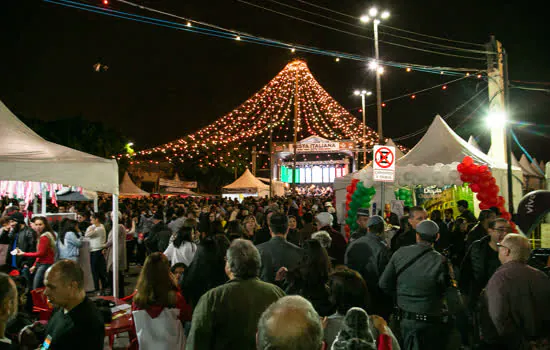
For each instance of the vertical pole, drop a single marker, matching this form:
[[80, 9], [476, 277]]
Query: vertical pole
[[364, 130], [296, 112], [115, 245], [96, 204], [508, 131], [254, 160], [379, 106], [44, 198], [271, 156], [35, 205]]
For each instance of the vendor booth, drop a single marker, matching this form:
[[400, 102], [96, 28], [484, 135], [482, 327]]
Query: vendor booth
[[245, 186], [25, 156], [128, 188], [432, 164]]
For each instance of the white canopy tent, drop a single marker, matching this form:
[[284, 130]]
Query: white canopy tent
[[25, 156], [278, 187], [129, 189], [433, 161], [472, 141], [246, 185]]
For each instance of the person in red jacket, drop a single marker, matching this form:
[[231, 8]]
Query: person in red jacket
[[45, 251]]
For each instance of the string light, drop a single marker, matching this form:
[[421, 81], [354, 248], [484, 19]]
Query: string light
[[228, 140], [408, 69], [337, 59]]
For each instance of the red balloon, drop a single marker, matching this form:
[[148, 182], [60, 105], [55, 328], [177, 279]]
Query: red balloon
[[475, 178], [493, 181], [348, 188], [501, 208], [492, 202], [484, 206], [475, 187], [493, 190], [467, 161], [483, 168], [464, 178], [355, 181], [484, 184], [460, 168], [482, 196], [506, 215], [469, 170]]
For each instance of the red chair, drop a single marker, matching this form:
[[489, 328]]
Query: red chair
[[41, 305]]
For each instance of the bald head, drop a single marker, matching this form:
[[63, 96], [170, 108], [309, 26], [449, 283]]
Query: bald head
[[291, 323], [518, 247], [67, 271]]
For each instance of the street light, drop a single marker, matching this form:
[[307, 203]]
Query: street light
[[130, 144], [363, 93], [496, 119], [374, 65], [376, 17]]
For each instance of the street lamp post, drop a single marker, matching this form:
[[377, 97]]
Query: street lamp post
[[363, 93], [376, 16]]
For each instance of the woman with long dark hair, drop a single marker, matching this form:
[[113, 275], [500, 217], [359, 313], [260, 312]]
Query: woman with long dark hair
[[45, 251], [207, 269], [310, 278], [69, 242], [250, 227], [182, 249]]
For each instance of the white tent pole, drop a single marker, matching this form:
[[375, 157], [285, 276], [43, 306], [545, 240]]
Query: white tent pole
[[115, 245], [96, 204], [44, 198], [35, 205]]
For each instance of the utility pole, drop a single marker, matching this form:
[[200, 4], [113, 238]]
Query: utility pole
[[501, 145], [254, 154], [296, 123], [271, 155], [378, 72]]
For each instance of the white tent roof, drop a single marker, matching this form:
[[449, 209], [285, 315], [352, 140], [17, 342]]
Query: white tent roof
[[247, 180], [526, 167], [398, 152], [442, 145], [535, 165], [472, 141], [25, 156], [515, 162], [129, 188]]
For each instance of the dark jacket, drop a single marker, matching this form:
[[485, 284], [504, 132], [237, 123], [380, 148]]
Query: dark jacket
[[81, 328], [469, 216], [420, 288], [205, 272], [159, 237], [261, 236], [369, 256], [475, 234], [227, 316], [403, 239], [277, 253], [337, 249], [360, 232], [26, 241], [518, 305], [306, 232], [293, 237], [479, 265]]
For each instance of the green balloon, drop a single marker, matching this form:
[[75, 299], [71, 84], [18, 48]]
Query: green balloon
[[371, 191], [360, 185]]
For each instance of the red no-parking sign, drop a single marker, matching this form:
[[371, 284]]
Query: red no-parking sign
[[384, 163]]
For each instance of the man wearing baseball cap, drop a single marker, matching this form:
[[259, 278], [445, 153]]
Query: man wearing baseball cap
[[419, 276], [369, 256], [362, 218]]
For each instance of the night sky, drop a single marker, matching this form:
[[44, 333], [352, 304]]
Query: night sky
[[163, 84]]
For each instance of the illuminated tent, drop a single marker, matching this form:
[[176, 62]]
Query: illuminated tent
[[245, 186], [129, 189]]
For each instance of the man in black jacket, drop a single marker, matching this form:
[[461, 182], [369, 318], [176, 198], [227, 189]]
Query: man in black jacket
[[481, 261], [403, 239], [480, 230], [22, 237], [76, 323], [159, 236]]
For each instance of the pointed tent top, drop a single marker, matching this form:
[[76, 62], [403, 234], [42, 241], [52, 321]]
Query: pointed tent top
[[247, 180], [398, 152], [472, 141], [129, 189], [441, 144], [177, 178], [526, 166], [25, 156], [535, 166]]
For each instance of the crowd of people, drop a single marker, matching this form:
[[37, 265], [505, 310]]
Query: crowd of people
[[279, 274]]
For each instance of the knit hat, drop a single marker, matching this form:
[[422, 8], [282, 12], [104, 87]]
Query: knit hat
[[356, 330], [427, 230], [18, 217]]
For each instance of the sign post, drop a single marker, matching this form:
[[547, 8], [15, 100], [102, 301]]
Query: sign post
[[383, 168]]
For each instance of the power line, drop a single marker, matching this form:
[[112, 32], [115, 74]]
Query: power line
[[529, 88], [221, 32], [447, 116], [385, 33], [531, 82], [387, 26], [359, 35]]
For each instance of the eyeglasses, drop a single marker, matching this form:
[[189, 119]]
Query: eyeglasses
[[502, 229], [503, 246]]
